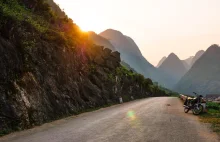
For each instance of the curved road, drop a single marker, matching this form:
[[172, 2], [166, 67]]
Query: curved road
[[148, 120]]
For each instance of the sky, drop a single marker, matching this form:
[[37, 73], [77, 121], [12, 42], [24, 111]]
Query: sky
[[159, 27]]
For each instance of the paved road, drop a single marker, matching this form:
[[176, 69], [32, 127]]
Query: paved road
[[148, 120]]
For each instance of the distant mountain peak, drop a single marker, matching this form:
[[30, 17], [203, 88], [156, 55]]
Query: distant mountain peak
[[173, 56], [213, 48], [161, 61], [123, 43], [111, 31], [174, 67], [91, 32]]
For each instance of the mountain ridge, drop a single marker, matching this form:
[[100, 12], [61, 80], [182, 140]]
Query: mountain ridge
[[131, 54], [203, 77]]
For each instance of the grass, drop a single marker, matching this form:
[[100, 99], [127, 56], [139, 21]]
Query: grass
[[212, 116], [20, 13]]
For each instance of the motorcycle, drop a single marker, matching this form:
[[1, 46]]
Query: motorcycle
[[196, 104]]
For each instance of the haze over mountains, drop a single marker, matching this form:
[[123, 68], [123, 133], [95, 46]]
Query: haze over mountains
[[204, 76], [99, 40], [122, 43], [131, 54], [187, 62], [172, 72]]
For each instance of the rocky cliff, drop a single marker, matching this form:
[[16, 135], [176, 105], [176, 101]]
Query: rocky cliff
[[50, 69]]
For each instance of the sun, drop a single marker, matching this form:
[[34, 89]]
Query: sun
[[85, 28], [89, 24]]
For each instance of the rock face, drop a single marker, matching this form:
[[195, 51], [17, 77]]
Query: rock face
[[131, 54], [49, 72], [203, 77], [174, 67], [161, 61]]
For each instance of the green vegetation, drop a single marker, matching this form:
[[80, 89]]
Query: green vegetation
[[145, 83], [214, 106], [212, 116], [124, 72], [20, 13], [33, 18]]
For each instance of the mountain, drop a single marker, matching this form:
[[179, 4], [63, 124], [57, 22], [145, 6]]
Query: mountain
[[131, 54], [122, 43], [187, 62], [174, 67], [196, 57], [99, 40], [191, 60], [161, 61], [203, 77]]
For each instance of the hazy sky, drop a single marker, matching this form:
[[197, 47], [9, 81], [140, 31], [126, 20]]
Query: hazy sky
[[159, 27]]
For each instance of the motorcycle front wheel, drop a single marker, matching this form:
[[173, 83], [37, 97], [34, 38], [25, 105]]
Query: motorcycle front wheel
[[186, 110], [197, 110]]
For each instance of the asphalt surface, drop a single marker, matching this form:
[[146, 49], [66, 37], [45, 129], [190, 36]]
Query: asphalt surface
[[148, 120]]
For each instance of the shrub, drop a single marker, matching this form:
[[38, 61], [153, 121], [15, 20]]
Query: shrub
[[212, 105]]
